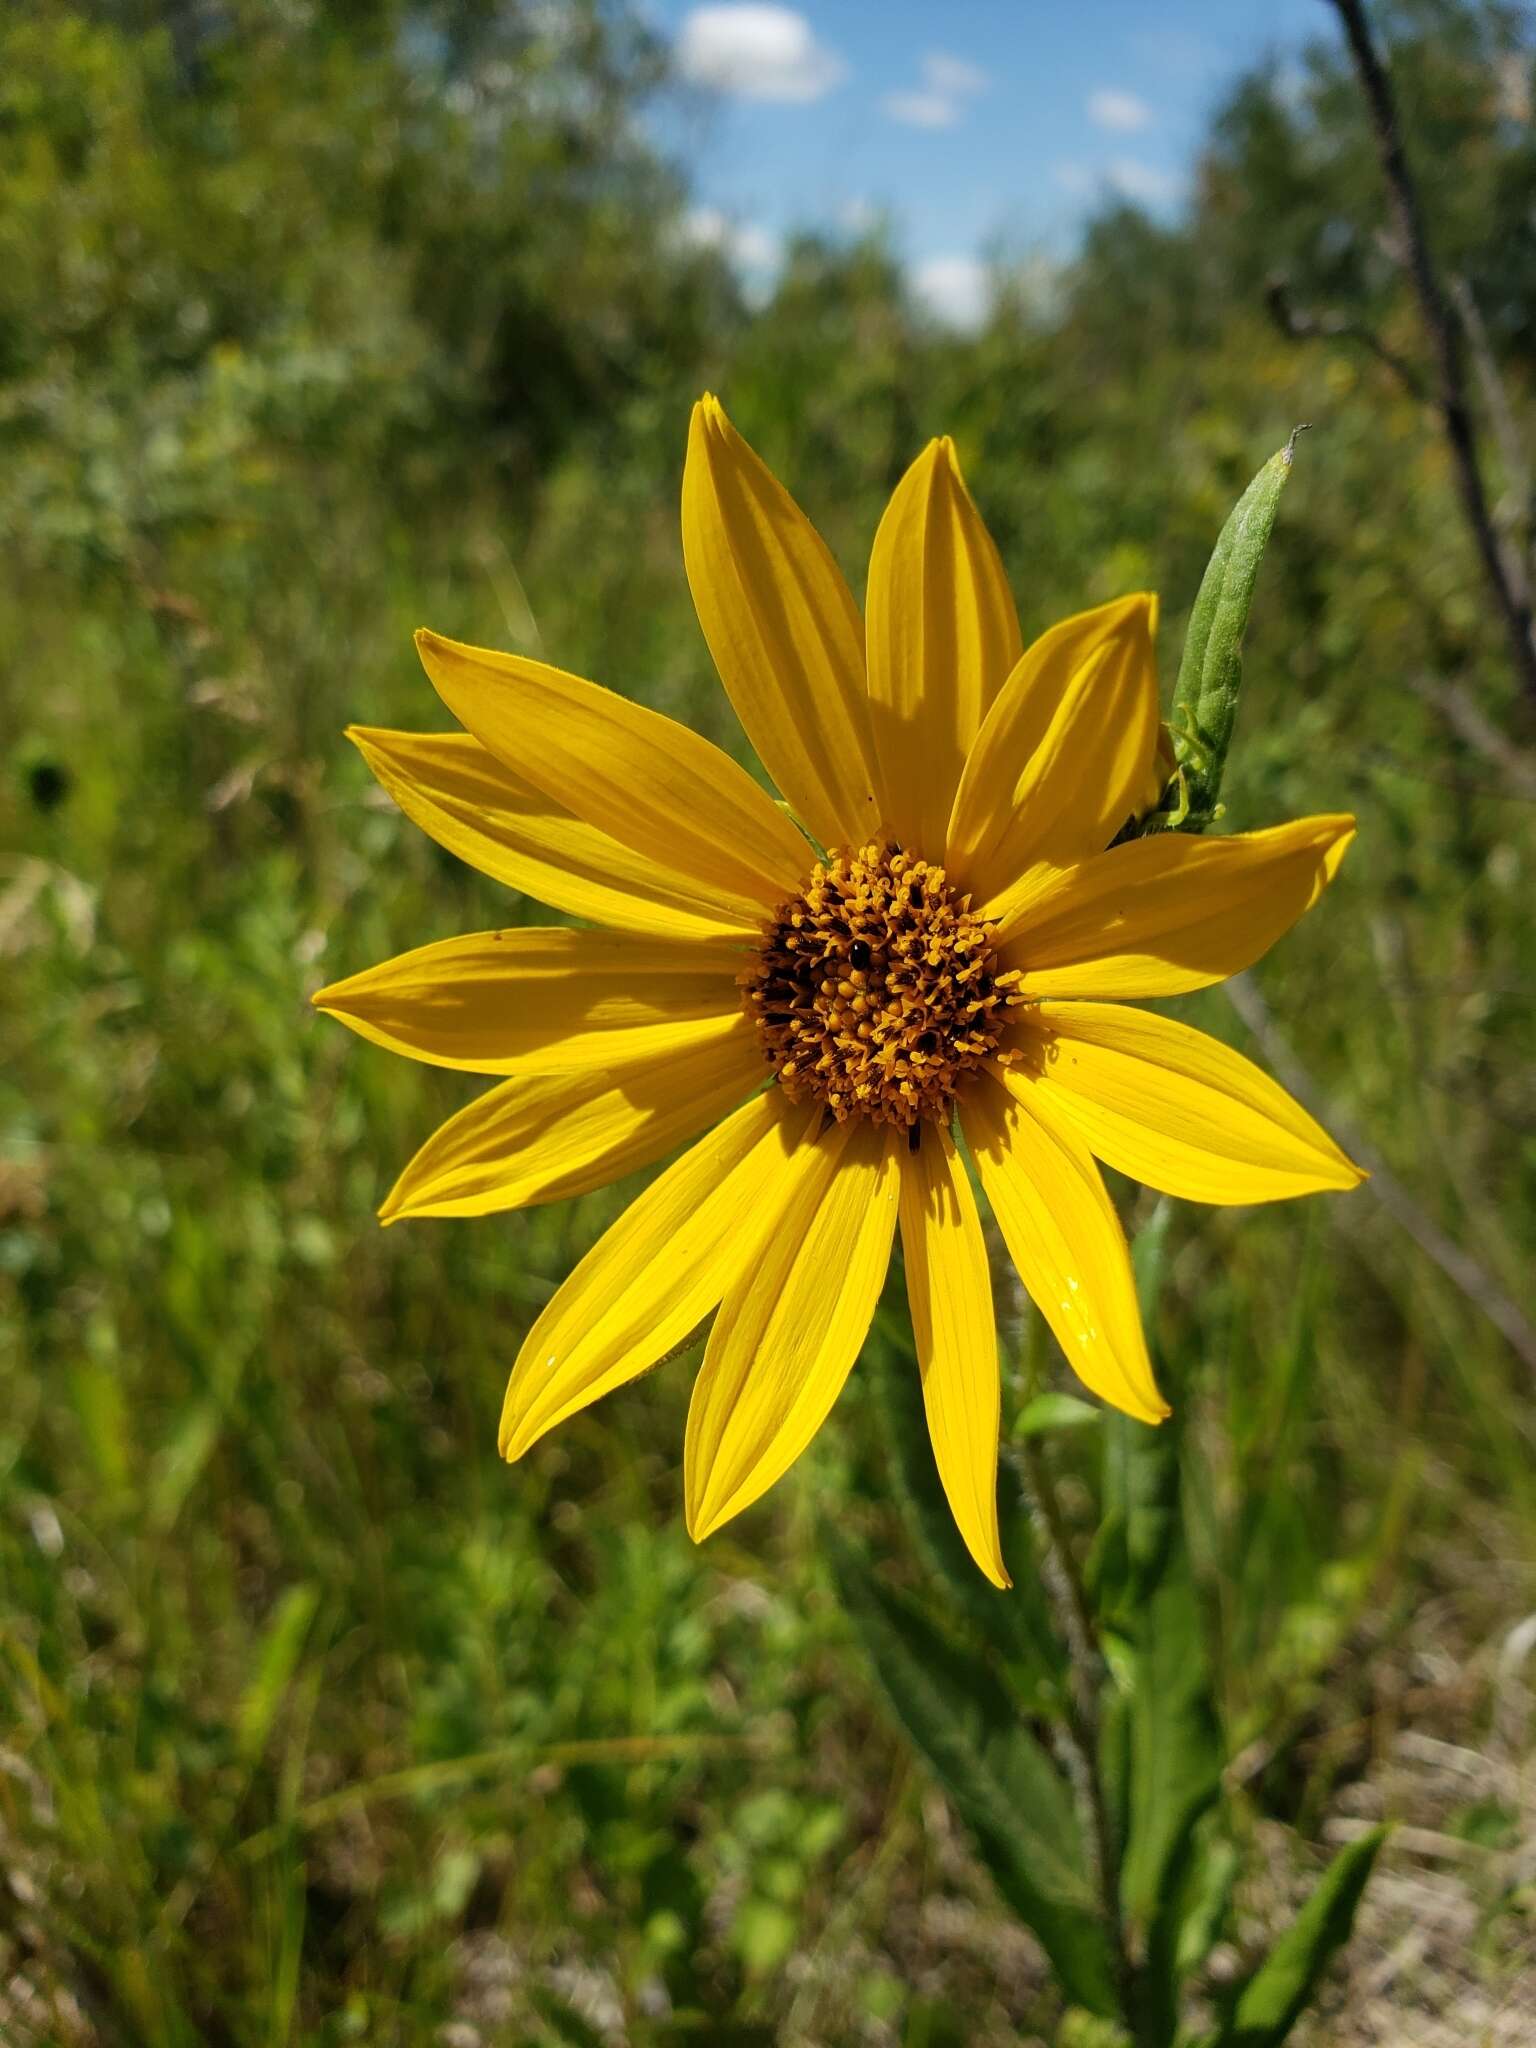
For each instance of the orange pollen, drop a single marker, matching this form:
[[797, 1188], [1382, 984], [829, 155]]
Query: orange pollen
[[876, 990]]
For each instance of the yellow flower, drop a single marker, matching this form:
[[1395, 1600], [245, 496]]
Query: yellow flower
[[958, 954]]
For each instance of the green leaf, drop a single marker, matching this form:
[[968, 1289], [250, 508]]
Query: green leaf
[[1052, 1411], [96, 1391], [1278, 1992], [1191, 1909], [1205, 1899], [998, 1777], [1175, 1748], [1211, 672], [1086, 2030], [281, 1649], [187, 1450], [1161, 1748], [1175, 1779]]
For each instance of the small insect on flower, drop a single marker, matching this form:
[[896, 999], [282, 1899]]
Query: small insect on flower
[[947, 942]]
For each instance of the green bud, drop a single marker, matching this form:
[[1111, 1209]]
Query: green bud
[[1211, 671]]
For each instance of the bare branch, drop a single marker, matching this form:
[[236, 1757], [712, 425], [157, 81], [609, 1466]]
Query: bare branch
[[1501, 414], [1450, 397], [1300, 325], [1475, 729]]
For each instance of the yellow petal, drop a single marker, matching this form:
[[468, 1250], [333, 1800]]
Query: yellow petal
[[544, 1137], [543, 998], [1065, 756], [655, 1274], [783, 628], [941, 635], [1176, 1109], [791, 1326], [1161, 916], [1063, 1235], [472, 803], [646, 780], [949, 1292]]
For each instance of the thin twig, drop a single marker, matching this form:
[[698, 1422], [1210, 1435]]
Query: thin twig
[[1501, 414], [1458, 1265], [1476, 729], [1300, 325], [1074, 1613], [1450, 397]]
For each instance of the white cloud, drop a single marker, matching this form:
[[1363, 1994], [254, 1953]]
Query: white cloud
[[1126, 178], [937, 102], [1144, 183], [1120, 112], [749, 246], [757, 52], [921, 109], [954, 75], [957, 289]]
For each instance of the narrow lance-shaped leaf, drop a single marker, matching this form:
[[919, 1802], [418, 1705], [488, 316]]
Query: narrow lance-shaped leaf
[[1278, 1992], [1211, 671], [1169, 1748], [1052, 1412], [998, 1777], [1175, 1749], [1175, 1754], [1205, 1897], [278, 1659]]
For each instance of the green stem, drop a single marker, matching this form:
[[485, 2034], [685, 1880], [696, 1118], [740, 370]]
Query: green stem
[[1074, 1612]]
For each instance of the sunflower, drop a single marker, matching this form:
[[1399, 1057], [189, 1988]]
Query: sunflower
[[928, 951]]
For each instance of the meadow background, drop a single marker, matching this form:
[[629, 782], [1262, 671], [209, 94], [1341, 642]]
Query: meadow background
[[318, 1724]]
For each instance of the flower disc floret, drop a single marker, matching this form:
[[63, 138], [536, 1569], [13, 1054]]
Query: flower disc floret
[[876, 990]]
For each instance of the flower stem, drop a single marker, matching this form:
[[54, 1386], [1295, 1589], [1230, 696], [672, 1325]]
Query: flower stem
[[1068, 1594]]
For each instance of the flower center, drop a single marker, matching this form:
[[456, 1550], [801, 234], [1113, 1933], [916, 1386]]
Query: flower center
[[876, 990]]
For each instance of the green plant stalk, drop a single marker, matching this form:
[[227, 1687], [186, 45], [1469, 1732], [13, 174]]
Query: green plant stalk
[[1069, 1595]]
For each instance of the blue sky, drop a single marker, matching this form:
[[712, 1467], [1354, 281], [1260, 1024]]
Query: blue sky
[[969, 125]]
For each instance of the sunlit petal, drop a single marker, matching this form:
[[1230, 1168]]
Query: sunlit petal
[[793, 1323], [543, 1137], [1065, 756], [644, 779], [941, 635], [543, 998], [469, 801], [783, 628], [949, 1291], [1063, 1235], [1161, 916], [655, 1274], [1175, 1108]]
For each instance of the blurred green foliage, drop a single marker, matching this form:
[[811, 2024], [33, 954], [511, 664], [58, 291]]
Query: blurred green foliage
[[320, 321]]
